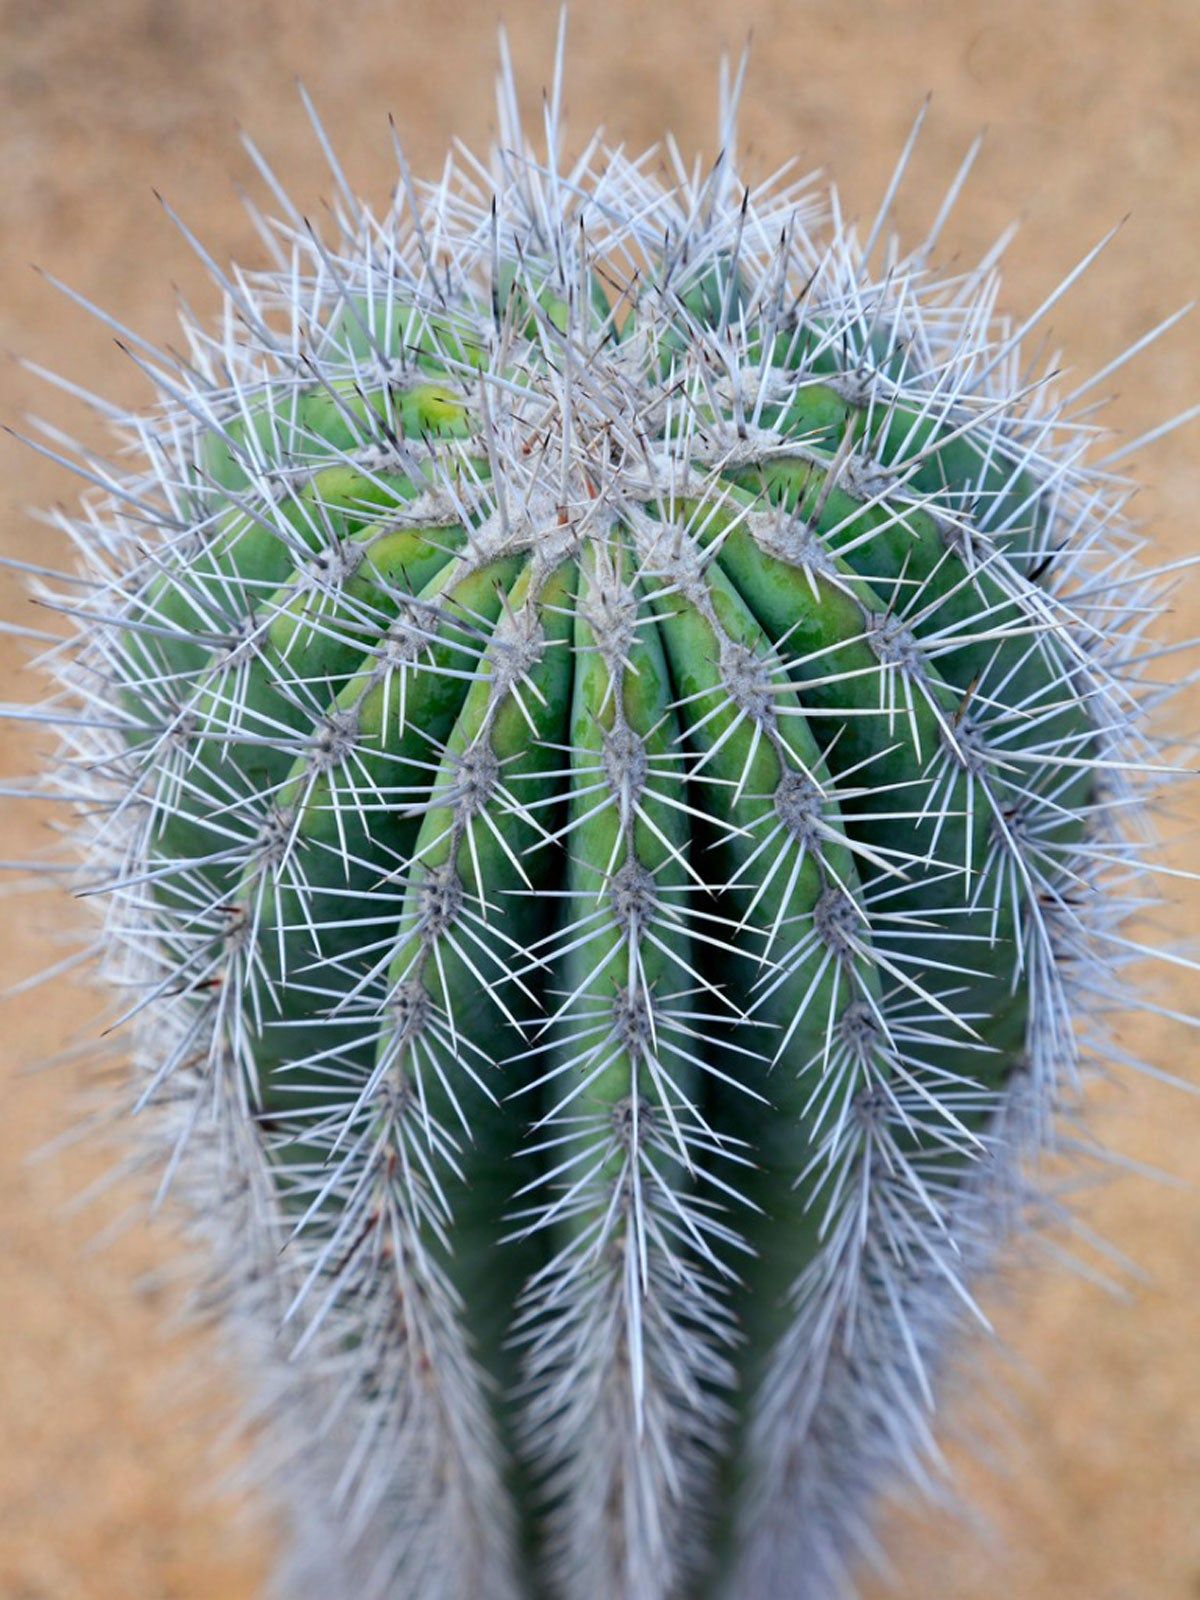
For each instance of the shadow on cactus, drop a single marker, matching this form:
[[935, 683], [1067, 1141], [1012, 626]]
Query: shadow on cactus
[[610, 735]]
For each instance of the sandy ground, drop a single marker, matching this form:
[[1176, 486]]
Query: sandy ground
[[1093, 111]]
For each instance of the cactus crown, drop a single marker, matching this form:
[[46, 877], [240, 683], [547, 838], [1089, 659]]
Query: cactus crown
[[611, 740]]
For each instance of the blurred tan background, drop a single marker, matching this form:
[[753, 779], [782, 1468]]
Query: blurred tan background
[[1093, 111]]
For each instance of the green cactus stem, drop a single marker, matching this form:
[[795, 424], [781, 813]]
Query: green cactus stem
[[609, 730]]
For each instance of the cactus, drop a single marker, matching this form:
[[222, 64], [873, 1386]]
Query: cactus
[[611, 736]]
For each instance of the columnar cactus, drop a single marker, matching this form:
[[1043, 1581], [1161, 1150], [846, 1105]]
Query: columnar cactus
[[608, 730]]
